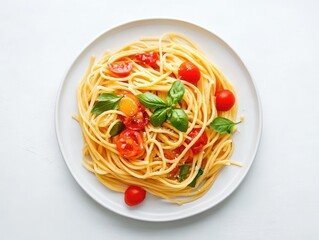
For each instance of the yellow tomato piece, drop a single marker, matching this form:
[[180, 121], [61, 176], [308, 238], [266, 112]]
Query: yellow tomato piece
[[128, 106]]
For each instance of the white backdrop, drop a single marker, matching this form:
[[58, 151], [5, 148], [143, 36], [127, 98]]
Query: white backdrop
[[277, 41]]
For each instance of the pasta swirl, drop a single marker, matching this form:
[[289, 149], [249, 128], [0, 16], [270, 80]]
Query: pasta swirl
[[152, 170]]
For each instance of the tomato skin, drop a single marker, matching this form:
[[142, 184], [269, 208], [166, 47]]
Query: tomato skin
[[175, 170], [138, 121], [189, 72], [173, 174], [148, 58], [130, 144], [225, 100], [218, 86], [134, 195], [121, 68], [129, 104], [172, 154], [201, 141]]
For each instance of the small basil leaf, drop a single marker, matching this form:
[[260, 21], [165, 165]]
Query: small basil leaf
[[169, 112], [176, 91], [150, 100], [169, 100], [117, 128], [159, 116], [199, 173], [222, 125], [183, 172], [179, 119], [108, 97], [100, 107], [106, 101], [116, 105]]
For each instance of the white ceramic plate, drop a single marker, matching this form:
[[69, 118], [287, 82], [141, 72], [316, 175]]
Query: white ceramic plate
[[246, 140]]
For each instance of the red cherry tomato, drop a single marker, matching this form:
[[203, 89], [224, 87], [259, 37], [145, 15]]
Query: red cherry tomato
[[175, 170], [138, 121], [200, 143], [130, 144], [172, 154], [121, 68], [173, 174], [148, 58], [225, 100], [189, 72], [134, 195]]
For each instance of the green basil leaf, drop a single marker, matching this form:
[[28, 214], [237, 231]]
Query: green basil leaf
[[179, 119], [116, 105], [199, 173], [108, 97], [150, 100], [100, 107], [106, 101], [169, 112], [176, 92], [183, 172], [222, 125], [117, 128], [159, 116], [169, 100]]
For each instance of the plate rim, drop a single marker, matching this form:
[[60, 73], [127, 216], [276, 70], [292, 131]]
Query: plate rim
[[139, 22]]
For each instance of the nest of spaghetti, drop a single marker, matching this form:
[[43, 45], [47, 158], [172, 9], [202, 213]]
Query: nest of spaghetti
[[147, 115]]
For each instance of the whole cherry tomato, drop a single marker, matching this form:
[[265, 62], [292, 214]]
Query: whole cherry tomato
[[225, 100], [189, 72], [134, 195]]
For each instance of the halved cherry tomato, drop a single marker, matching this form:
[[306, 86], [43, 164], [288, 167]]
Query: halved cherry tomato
[[138, 121], [172, 154], [189, 72], [136, 118], [130, 144], [225, 100], [121, 68], [175, 170], [200, 143], [134, 195], [148, 58], [173, 174]]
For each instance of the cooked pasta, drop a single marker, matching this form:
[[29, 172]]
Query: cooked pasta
[[163, 151]]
